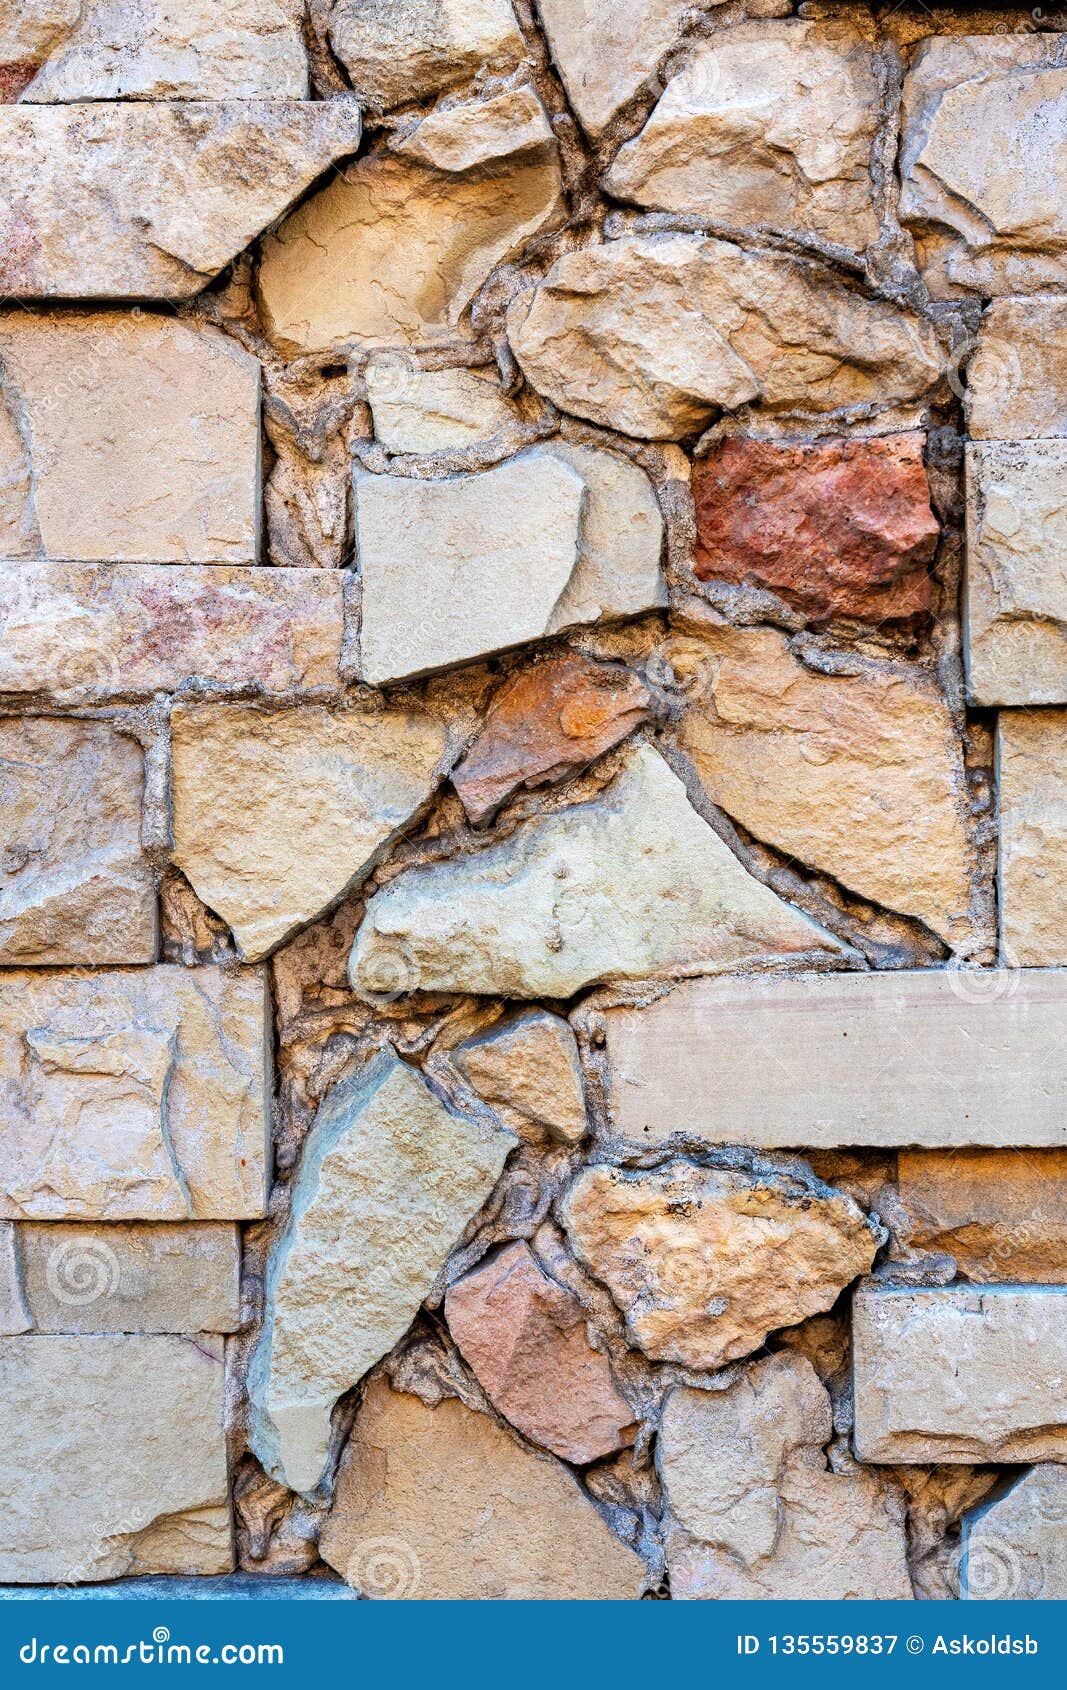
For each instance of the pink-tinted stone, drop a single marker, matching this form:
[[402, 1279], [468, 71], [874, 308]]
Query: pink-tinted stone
[[16, 75], [526, 1340]]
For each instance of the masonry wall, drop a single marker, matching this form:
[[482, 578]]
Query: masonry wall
[[533, 823]]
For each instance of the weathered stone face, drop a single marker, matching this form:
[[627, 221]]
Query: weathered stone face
[[1017, 378], [432, 410], [1013, 1548], [134, 1277], [605, 53], [1002, 1214], [398, 51], [1033, 837], [528, 1070]]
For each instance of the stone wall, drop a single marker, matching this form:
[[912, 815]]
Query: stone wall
[[534, 838]]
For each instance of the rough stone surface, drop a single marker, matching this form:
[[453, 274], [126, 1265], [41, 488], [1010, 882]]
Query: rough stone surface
[[14, 1314], [223, 1588], [111, 200], [440, 1504], [1002, 1214], [1017, 378], [432, 410], [1014, 1547], [605, 53], [136, 1277], [528, 1070], [755, 1514], [385, 1162], [462, 137], [133, 1094], [526, 1340], [960, 1375], [651, 335], [400, 51], [618, 571], [704, 1263], [94, 397], [631, 884], [98, 1483], [75, 886], [861, 1059], [545, 723], [354, 778], [836, 528], [1033, 837]]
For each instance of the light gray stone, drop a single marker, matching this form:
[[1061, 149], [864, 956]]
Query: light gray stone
[[398, 52], [1015, 1547], [136, 1277], [14, 1315], [259, 1587], [1032, 788], [1017, 378], [432, 410], [605, 53], [618, 572]]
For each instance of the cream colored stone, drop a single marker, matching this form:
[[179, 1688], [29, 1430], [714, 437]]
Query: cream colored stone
[[1015, 1547], [75, 886], [400, 51], [629, 885], [137, 1277], [116, 200], [388, 1179], [528, 1069], [1002, 1214], [30, 28], [882, 1059], [618, 571], [1015, 618], [704, 1263], [432, 410], [606, 53], [960, 1375], [277, 814], [1032, 788], [462, 137], [652, 335], [14, 1314], [134, 1094], [112, 1458], [99, 396], [768, 124], [1017, 378], [860, 776], [440, 1504]]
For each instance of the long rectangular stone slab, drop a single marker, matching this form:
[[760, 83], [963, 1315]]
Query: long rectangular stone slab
[[260, 1587], [939, 1057], [963, 1374], [134, 1094]]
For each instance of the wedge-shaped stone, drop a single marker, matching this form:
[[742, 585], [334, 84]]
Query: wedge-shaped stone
[[152, 200], [528, 1070], [960, 1375], [432, 410], [398, 52], [136, 1277], [87, 631], [766, 125], [93, 397], [353, 777], [1016, 599], [112, 1458], [879, 1059], [653, 335], [75, 886], [134, 1094], [1015, 1547], [704, 1263], [1033, 836], [605, 53], [631, 884], [462, 137], [1001, 1213], [388, 1179], [1017, 378], [441, 1504]]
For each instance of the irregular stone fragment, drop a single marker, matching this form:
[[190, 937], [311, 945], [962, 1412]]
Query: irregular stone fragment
[[398, 52], [354, 778], [528, 1069], [151, 200], [789, 1063], [766, 125], [631, 884], [618, 570], [100, 1480], [1015, 1547], [465, 136], [441, 1504], [133, 1094], [526, 1340], [432, 410], [1033, 837], [961, 1374], [130, 1278], [545, 723], [756, 1514], [1017, 379], [704, 1263], [605, 53], [75, 886], [1001, 1213], [836, 528], [388, 1179], [654, 335], [135, 389], [87, 631], [14, 1314], [1016, 598]]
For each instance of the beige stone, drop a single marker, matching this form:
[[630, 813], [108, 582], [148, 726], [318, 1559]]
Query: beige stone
[[136, 1277], [440, 1504], [388, 1179], [881, 1059], [528, 1069], [618, 571], [1032, 785], [75, 886], [134, 1094], [461, 137], [1015, 1547], [1001, 1213], [277, 814], [150, 200], [704, 1263], [625, 886], [755, 1514], [960, 1375], [432, 410], [98, 396], [1015, 612], [14, 1314], [860, 775], [400, 51], [605, 53], [769, 125], [653, 335], [112, 1458], [30, 28], [1017, 377], [86, 631]]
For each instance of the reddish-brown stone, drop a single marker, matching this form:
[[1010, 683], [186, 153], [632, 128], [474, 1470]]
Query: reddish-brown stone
[[545, 723], [525, 1339], [836, 527], [16, 75]]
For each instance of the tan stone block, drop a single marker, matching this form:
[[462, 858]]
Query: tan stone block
[[605, 53], [528, 1070], [400, 51], [132, 1277], [1017, 379], [1032, 784], [462, 137], [14, 1315], [432, 410], [1001, 1214]]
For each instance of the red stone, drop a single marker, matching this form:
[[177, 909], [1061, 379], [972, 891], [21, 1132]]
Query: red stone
[[835, 527], [16, 75]]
